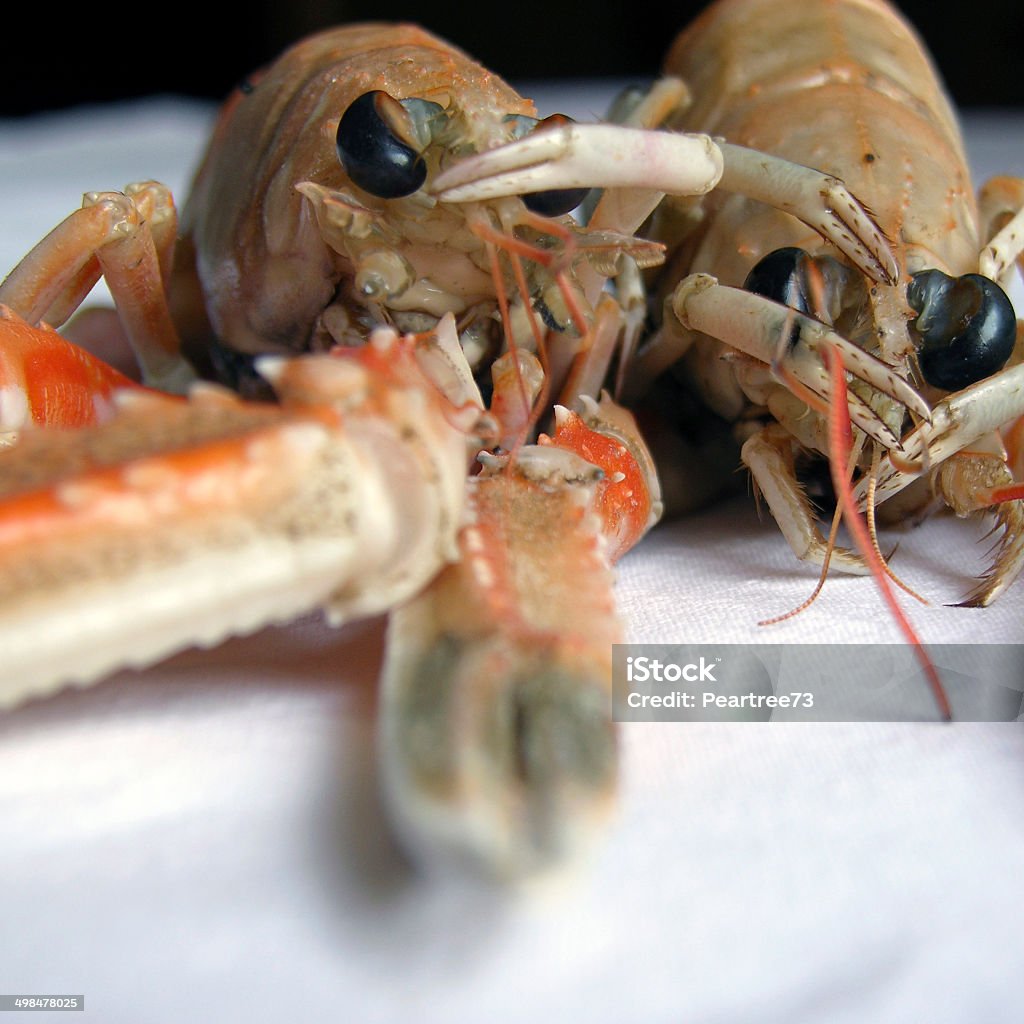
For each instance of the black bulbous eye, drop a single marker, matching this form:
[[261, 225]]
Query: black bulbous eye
[[782, 276], [966, 324], [554, 202], [373, 154]]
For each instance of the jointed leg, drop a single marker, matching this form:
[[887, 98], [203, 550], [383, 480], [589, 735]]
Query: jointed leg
[[769, 457], [618, 157], [1001, 205], [129, 239]]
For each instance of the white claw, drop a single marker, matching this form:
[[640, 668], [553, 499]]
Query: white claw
[[754, 324], [586, 155], [878, 374], [615, 156], [958, 421], [821, 201]]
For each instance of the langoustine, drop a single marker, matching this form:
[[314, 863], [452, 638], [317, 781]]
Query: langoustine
[[211, 515]]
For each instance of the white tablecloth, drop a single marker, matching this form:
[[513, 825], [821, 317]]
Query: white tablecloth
[[202, 841]]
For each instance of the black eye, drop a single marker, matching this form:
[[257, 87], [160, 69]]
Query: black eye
[[555, 201], [966, 324], [782, 277], [371, 151]]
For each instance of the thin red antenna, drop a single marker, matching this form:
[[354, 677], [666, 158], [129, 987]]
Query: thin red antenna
[[840, 445]]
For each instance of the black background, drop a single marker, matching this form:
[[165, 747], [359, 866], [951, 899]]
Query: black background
[[53, 60]]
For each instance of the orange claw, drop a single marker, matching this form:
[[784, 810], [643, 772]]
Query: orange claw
[[47, 381], [625, 501]]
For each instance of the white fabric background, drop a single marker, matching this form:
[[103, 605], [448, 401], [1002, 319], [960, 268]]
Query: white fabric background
[[202, 841]]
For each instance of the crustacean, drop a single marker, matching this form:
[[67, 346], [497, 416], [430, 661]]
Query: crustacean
[[751, 302], [496, 722], [213, 514]]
